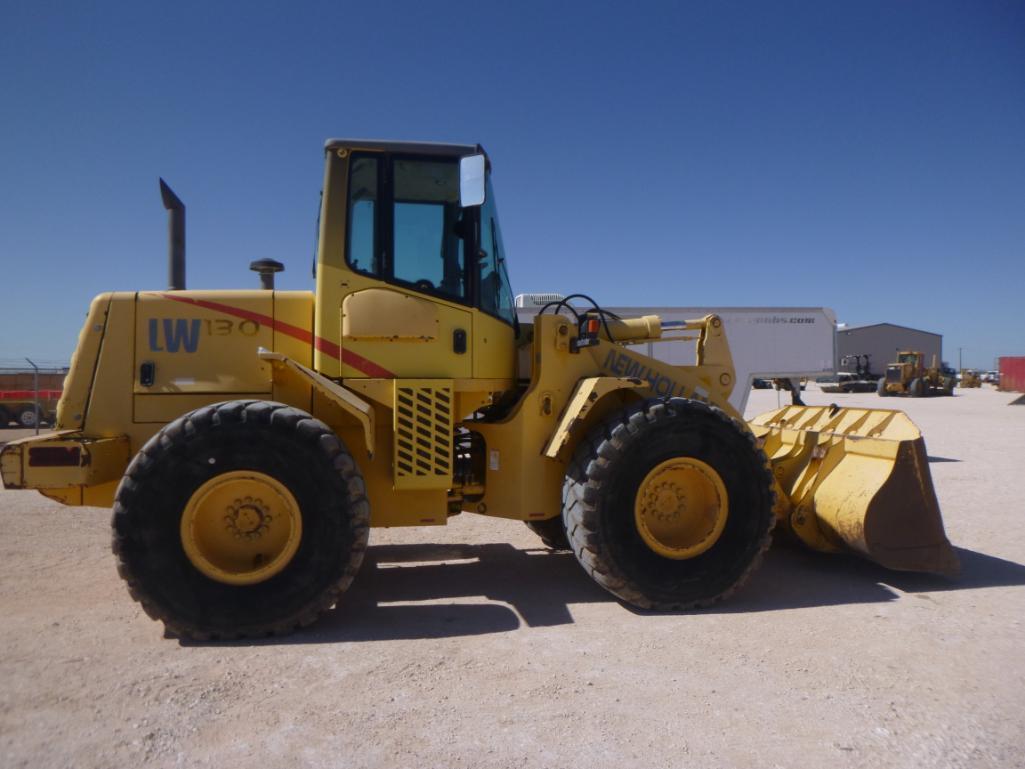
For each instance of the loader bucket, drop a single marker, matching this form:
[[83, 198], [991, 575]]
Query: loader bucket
[[857, 480]]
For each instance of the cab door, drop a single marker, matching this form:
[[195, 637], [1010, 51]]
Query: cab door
[[388, 332], [405, 312]]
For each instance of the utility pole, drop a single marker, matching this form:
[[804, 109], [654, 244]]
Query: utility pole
[[35, 387], [959, 366]]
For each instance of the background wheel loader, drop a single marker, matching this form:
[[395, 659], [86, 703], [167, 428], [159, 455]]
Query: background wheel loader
[[909, 376], [970, 378], [247, 440]]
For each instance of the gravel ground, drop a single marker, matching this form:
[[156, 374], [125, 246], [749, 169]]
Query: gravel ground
[[470, 646]]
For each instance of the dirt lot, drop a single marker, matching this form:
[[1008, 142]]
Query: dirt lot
[[469, 646]]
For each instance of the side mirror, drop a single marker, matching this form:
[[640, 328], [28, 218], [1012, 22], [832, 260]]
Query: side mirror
[[471, 181]]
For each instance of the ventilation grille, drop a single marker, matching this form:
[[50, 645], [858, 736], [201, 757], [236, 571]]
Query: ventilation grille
[[423, 434]]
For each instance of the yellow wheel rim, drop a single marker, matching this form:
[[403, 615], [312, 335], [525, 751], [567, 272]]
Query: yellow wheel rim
[[681, 508], [241, 527]]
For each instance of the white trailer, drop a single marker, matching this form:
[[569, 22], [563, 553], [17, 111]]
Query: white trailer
[[766, 342]]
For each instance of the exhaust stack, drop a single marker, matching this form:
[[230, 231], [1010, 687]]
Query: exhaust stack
[[175, 238]]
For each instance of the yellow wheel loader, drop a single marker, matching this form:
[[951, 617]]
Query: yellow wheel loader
[[970, 378], [910, 376], [247, 439]]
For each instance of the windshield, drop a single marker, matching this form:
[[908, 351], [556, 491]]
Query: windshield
[[496, 295]]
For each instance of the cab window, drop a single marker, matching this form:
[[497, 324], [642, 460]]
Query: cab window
[[403, 223], [364, 252], [427, 251], [496, 296]]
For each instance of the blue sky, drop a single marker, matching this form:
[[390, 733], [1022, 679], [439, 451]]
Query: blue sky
[[866, 156]]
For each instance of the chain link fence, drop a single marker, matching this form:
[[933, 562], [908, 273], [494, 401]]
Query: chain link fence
[[29, 391]]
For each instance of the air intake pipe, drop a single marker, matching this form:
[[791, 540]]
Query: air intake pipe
[[266, 269], [175, 238]]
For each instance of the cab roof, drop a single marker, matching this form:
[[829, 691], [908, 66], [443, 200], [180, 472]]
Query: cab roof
[[412, 148]]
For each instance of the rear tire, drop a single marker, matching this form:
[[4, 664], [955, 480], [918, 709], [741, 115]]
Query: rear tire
[[293, 453], [551, 532], [916, 388], [616, 461]]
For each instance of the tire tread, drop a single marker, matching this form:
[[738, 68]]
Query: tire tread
[[593, 462], [283, 419]]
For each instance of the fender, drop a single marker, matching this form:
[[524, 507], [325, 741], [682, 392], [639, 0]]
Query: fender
[[586, 395], [285, 368]]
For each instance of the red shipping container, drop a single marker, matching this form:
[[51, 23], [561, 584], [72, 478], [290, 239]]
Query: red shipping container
[[1012, 373]]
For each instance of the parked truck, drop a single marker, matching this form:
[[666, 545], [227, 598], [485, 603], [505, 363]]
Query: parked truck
[[22, 404]]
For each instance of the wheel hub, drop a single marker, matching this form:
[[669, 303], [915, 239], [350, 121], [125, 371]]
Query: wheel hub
[[241, 527], [666, 503], [681, 508], [248, 518]]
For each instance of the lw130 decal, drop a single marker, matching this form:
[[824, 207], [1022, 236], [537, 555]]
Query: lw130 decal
[[183, 334]]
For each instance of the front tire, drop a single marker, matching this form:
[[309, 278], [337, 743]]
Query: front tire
[[245, 518], [668, 505]]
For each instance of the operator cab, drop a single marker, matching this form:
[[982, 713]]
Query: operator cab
[[411, 254]]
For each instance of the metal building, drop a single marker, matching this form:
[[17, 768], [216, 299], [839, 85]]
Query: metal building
[[882, 341]]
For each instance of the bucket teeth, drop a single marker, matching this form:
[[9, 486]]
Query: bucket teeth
[[857, 480]]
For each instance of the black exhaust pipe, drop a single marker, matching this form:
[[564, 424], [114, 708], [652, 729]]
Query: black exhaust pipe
[[175, 238]]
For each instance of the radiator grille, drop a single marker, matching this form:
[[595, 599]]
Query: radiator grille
[[423, 431]]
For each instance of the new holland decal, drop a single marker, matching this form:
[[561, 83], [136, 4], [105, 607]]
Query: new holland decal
[[622, 364]]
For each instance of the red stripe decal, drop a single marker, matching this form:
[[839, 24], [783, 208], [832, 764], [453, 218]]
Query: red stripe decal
[[330, 349], [285, 328], [368, 367]]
